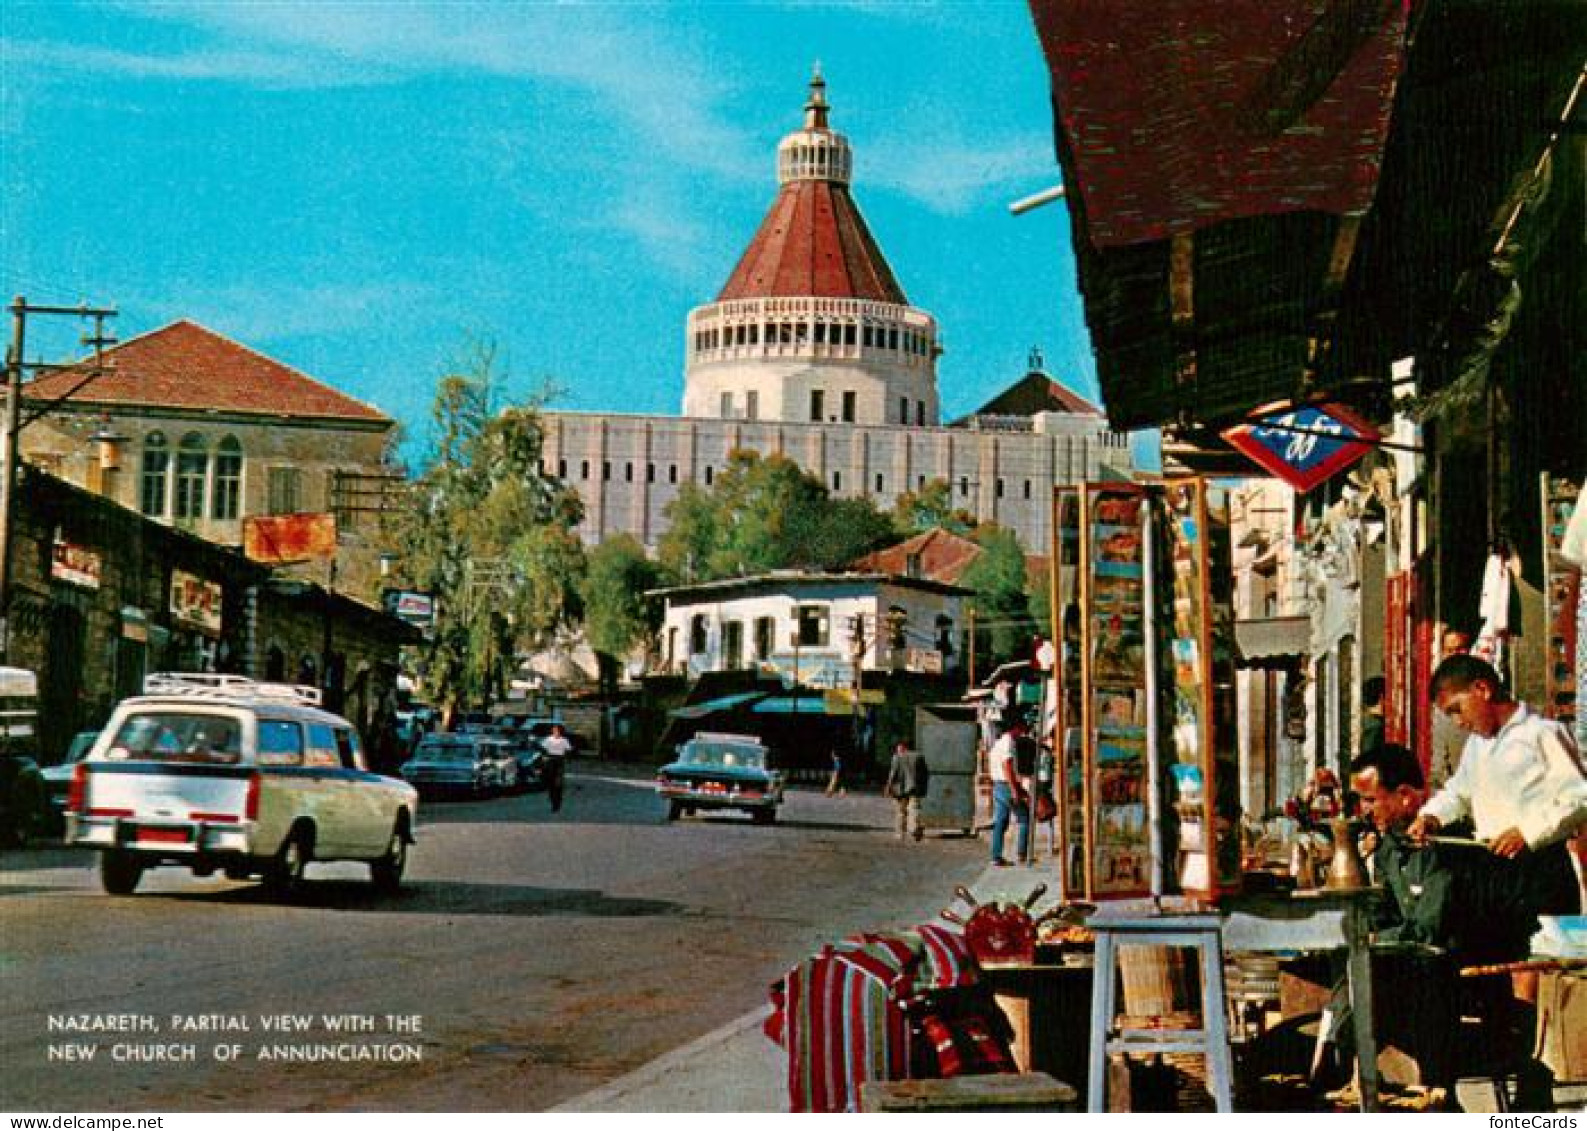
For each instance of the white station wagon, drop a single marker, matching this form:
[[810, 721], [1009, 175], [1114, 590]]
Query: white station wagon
[[223, 773]]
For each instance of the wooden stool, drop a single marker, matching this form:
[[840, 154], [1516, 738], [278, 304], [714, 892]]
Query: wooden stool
[[1200, 932]]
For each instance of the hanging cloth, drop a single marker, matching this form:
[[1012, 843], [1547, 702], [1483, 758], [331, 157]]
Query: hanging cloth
[[1494, 609]]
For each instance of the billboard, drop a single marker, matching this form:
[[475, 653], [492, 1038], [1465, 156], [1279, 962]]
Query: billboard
[[282, 538]]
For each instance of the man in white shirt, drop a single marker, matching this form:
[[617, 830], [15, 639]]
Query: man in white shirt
[[1521, 780], [1010, 796], [557, 747]]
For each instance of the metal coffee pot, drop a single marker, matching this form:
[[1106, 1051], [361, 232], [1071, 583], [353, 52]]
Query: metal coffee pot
[[1346, 871]]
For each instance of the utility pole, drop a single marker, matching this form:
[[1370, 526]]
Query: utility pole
[[15, 370], [970, 613]]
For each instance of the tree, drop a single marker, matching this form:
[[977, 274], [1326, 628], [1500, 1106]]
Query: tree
[[1001, 591], [916, 512], [617, 614], [762, 514], [489, 535]]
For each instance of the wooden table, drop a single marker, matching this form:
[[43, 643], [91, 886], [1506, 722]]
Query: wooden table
[[1321, 920]]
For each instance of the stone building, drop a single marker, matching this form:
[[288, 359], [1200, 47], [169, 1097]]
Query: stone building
[[194, 430], [100, 596], [812, 351]]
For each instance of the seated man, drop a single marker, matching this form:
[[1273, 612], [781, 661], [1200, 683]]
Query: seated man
[[1450, 906]]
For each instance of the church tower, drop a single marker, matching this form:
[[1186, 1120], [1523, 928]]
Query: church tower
[[812, 326]]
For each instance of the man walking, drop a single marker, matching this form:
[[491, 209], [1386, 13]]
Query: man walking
[[557, 748], [908, 779]]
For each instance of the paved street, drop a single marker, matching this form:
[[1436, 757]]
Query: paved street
[[544, 955]]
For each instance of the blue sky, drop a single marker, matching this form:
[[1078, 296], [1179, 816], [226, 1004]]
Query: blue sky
[[357, 188]]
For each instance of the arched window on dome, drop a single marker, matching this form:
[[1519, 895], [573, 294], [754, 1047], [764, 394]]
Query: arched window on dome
[[192, 474], [156, 474], [226, 492]]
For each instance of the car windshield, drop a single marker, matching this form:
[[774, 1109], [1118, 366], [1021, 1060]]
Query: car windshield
[[447, 751], [178, 736], [724, 754], [82, 743]]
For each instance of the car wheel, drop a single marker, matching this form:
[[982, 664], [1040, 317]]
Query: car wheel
[[674, 810], [119, 872], [386, 873], [763, 816], [286, 874]]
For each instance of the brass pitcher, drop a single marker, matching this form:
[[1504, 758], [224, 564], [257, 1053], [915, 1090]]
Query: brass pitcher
[[1346, 872]]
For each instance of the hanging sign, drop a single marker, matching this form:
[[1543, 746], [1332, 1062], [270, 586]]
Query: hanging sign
[[76, 565], [195, 603], [1305, 446], [281, 539]]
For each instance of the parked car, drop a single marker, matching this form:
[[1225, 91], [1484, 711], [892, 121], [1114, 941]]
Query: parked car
[[222, 773], [721, 771], [58, 778], [452, 764], [24, 804]]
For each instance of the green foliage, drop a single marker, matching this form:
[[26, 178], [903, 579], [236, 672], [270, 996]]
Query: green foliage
[[1002, 594], [617, 615], [762, 514], [916, 512], [489, 535]]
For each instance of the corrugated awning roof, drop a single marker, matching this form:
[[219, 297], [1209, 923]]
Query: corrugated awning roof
[[711, 706], [1271, 642]]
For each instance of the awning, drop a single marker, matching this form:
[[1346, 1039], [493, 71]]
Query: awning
[[1271, 642], [712, 706]]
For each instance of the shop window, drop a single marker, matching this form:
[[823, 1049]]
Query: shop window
[[156, 473], [192, 473], [227, 489], [285, 491]]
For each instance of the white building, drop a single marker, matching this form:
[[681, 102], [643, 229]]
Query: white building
[[812, 628], [812, 351]]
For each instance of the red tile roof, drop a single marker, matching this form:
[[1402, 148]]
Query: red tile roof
[[814, 243], [185, 365], [1036, 392], [943, 557]]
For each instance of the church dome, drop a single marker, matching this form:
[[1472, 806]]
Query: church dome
[[813, 241]]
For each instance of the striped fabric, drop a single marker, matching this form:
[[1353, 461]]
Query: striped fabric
[[845, 1016], [841, 1023], [946, 960]]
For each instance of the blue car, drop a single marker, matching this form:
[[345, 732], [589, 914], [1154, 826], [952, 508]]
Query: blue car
[[721, 771]]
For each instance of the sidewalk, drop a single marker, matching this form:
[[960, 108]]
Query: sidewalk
[[737, 1068]]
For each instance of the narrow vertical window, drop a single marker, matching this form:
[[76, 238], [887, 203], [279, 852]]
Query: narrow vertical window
[[752, 405], [156, 472], [848, 406], [226, 492], [192, 474], [817, 404]]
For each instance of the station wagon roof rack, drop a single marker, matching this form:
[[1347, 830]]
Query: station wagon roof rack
[[217, 685]]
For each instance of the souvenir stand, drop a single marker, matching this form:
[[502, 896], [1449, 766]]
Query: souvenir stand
[[1145, 699]]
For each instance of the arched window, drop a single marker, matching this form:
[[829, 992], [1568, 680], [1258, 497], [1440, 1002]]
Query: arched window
[[156, 470], [227, 489], [192, 470]]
